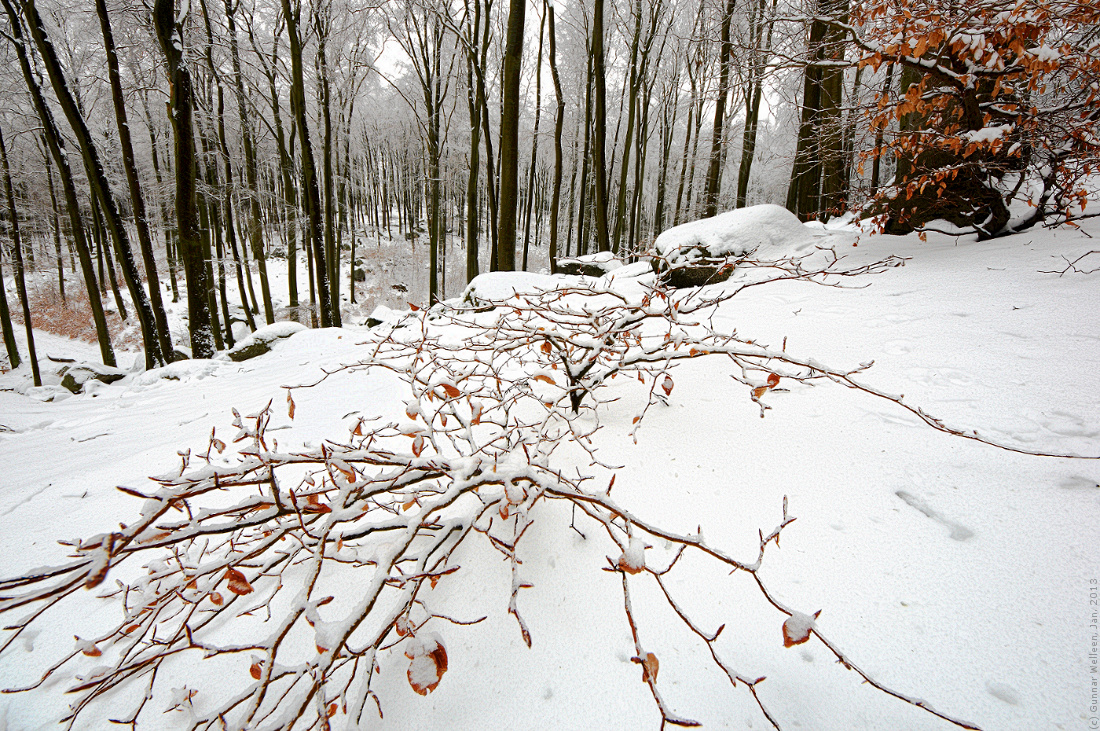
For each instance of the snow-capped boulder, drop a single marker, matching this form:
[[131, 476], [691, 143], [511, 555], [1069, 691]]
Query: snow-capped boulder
[[589, 265], [498, 286], [74, 377], [704, 251], [260, 341], [735, 234]]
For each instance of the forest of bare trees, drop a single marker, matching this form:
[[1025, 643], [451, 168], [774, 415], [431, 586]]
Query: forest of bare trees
[[171, 150]]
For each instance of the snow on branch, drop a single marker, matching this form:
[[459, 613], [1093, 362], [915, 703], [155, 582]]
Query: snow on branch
[[241, 547]]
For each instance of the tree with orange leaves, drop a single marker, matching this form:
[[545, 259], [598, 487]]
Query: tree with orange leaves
[[996, 123]]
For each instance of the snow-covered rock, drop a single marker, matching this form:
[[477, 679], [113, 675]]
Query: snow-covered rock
[[590, 265], [499, 286], [74, 377], [736, 233], [260, 341]]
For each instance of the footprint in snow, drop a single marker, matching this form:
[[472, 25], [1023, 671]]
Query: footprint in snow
[[958, 532], [1003, 692]]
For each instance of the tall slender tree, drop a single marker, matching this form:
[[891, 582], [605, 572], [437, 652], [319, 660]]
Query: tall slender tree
[[169, 29], [310, 191], [101, 189], [509, 137], [56, 145], [17, 261]]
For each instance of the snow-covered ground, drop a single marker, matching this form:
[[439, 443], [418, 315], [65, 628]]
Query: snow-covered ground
[[946, 569]]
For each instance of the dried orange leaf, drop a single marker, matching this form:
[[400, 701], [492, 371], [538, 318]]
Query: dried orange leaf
[[797, 628], [759, 391], [545, 379], [217, 599], [290, 405], [667, 384], [450, 390], [255, 671], [238, 584], [408, 506], [92, 651], [546, 347], [650, 666], [418, 445], [428, 662], [332, 709], [773, 380]]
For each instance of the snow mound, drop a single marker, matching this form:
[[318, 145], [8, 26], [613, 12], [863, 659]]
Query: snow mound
[[260, 341], [591, 265], [737, 233], [181, 370], [499, 286]]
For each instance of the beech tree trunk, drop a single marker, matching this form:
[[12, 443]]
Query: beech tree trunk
[[20, 280], [100, 187], [188, 237], [137, 200], [56, 145], [310, 192], [509, 138]]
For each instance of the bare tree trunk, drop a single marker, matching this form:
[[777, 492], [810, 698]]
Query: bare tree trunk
[[55, 142], [754, 94], [20, 280], [55, 221], [332, 253], [310, 191], [170, 34], [5, 323], [100, 187], [559, 122], [509, 138], [534, 146], [599, 171], [255, 223], [717, 144], [137, 200]]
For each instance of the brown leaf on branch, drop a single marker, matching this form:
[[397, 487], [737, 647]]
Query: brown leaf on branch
[[545, 379], [428, 664], [797, 628], [667, 384], [238, 584], [759, 391], [650, 666], [773, 380], [217, 599], [450, 390], [290, 405], [256, 671]]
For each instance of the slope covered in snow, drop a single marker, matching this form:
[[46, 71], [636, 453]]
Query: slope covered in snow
[[945, 568]]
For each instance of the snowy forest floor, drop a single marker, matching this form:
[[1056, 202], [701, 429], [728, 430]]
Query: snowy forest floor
[[946, 569]]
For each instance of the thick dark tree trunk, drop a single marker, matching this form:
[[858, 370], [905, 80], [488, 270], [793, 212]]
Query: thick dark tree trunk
[[310, 191], [188, 237], [717, 143], [332, 252], [599, 142], [509, 138]]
